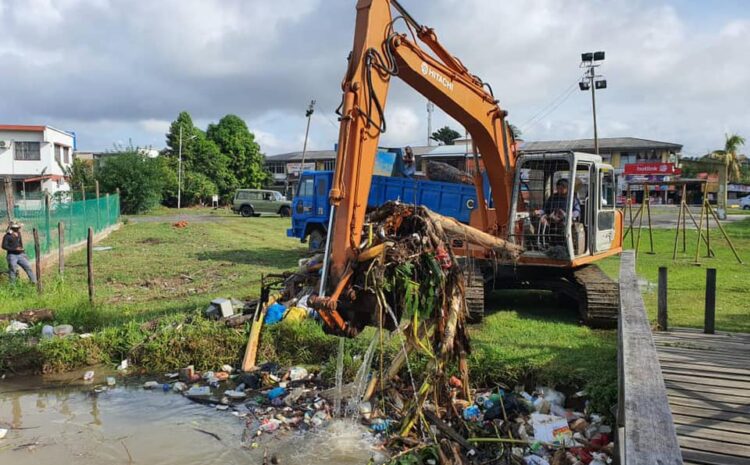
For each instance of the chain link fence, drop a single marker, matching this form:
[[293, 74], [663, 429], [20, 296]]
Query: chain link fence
[[35, 210]]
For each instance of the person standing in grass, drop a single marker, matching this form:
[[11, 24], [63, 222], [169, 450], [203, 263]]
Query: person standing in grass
[[13, 244]]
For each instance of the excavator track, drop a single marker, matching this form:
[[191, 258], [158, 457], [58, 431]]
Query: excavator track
[[474, 290], [599, 297]]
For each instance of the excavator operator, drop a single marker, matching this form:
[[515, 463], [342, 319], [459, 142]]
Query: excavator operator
[[555, 205]]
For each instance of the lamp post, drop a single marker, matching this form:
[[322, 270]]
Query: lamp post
[[308, 114], [179, 171], [590, 61]]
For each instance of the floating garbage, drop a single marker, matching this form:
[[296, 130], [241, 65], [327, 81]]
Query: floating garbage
[[88, 376]]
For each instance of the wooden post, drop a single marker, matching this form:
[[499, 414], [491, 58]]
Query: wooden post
[[709, 321], [109, 214], [38, 259], [677, 231], [630, 211], [96, 184], [650, 229], [90, 263], [9, 198], [662, 311], [708, 235], [61, 248], [685, 206], [47, 228]]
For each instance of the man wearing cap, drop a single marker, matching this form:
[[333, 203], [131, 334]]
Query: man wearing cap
[[409, 168], [13, 244]]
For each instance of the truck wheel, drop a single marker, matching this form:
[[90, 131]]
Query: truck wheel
[[316, 241], [285, 212], [247, 211]]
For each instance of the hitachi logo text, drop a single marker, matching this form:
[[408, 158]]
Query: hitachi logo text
[[426, 70]]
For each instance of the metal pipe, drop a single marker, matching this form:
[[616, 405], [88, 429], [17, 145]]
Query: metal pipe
[[324, 275]]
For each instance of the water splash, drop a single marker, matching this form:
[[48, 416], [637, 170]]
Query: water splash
[[339, 379], [362, 378]]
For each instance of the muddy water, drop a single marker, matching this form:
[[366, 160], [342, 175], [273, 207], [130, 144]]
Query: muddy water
[[67, 422]]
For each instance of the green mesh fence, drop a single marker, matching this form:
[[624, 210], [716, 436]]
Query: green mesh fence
[[75, 216]]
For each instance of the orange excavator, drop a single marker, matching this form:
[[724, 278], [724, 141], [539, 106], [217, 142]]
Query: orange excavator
[[558, 206]]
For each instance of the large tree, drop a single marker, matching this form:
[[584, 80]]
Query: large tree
[[445, 135], [140, 179], [235, 141]]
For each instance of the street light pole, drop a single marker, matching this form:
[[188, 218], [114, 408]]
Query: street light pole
[[308, 113], [593, 109], [590, 61]]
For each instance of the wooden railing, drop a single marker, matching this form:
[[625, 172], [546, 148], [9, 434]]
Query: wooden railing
[[646, 431]]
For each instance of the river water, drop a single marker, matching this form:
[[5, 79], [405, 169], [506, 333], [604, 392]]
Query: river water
[[61, 420]]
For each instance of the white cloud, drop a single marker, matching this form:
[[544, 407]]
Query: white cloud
[[113, 70]]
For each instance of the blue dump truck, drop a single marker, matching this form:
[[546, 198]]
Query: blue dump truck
[[310, 207]]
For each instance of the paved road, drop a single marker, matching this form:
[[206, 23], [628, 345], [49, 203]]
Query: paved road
[[666, 217]]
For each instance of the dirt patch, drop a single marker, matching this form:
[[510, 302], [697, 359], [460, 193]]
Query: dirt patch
[[151, 241]]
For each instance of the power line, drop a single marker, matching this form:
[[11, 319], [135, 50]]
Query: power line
[[533, 122], [554, 102]]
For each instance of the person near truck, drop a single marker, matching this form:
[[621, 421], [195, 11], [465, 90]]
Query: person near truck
[[13, 245], [409, 169]]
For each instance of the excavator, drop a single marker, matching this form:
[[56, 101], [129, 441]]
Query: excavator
[[558, 206]]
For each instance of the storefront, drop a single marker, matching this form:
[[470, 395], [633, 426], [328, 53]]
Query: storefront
[[635, 174]]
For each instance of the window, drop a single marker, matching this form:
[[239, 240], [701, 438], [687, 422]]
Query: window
[[27, 151], [329, 165], [245, 195], [306, 188], [276, 168], [58, 153], [66, 155], [607, 199]]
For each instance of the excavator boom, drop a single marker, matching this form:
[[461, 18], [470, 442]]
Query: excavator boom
[[379, 53]]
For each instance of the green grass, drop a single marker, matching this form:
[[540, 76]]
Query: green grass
[[687, 281], [155, 269]]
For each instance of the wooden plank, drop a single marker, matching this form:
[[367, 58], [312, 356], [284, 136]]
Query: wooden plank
[[649, 431], [712, 382], [717, 447], [734, 349], [709, 405], [706, 374], [714, 415], [661, 337], [723, 425], [736, 363], [711, 458], [699, 333], [671, 392], [700, 366], [727, 352], [701, 388], [709, 434]]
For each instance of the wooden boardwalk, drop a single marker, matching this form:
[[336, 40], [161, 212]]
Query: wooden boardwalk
[[707, 377]]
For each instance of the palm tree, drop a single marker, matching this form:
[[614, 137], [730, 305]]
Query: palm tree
[[730, 156], [732, 169]]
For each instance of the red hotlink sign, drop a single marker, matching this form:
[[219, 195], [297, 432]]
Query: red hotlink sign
[[651, 168]]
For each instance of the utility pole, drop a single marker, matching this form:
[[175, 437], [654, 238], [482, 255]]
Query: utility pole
[[430, 109], [308, 114], [589, 80], [179, 172]]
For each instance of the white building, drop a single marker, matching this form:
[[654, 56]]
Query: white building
[[35, 158]]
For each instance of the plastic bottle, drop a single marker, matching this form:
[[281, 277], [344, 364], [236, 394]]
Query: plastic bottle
[[48, 332]]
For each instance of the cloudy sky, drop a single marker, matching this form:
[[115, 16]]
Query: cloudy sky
[[114, 70]]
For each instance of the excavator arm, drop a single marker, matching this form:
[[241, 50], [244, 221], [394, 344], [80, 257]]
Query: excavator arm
[[378, 54]]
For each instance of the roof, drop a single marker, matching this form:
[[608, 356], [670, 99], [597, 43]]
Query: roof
[[605, 143], [312, 155], [449, 151], [21, 128]]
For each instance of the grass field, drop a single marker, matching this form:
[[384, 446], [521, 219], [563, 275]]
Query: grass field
[[686, 281], [154, 268]]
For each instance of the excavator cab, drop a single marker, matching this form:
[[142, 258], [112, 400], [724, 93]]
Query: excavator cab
[[563, 207]]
